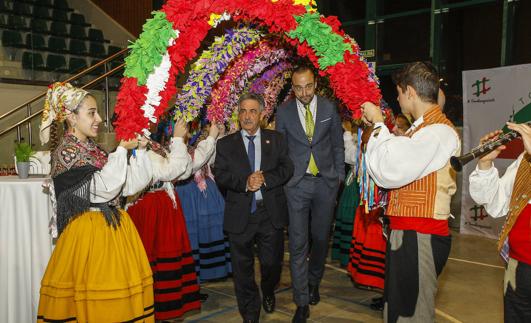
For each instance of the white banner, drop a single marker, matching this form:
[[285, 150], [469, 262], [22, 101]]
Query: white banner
[[490, 98]]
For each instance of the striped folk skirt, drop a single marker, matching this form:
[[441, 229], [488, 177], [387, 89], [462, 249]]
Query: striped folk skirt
[[203, 212], [367, 254], [348, 203], [97, 274], [163, 231]]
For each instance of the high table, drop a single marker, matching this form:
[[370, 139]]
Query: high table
[[25, 246]]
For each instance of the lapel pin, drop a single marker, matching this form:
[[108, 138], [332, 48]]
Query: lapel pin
[[267, 141]]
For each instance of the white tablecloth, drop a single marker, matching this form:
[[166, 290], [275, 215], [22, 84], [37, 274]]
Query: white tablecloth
[[25, 246]]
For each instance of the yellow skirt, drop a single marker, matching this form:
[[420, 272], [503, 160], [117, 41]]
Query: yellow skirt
[[97, 274]]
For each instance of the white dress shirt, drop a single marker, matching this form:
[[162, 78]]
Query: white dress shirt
[[395, 161], [491, 191]]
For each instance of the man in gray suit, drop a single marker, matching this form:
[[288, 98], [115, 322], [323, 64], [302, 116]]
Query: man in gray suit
[[312, 128]]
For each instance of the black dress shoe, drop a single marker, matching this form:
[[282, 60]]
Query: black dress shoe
[[250, 321], [377, 304], [314, 294], [302, 313], [203, 297], [268, 302]]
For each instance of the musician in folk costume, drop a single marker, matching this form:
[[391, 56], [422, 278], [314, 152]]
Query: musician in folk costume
[[510, 195]]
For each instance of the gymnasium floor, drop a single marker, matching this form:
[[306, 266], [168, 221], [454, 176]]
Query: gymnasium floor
[[470, 290]]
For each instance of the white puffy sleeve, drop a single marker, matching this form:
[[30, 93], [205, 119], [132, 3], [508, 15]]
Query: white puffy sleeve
[[203, 153], [395, 161], [139, 173], [494, 193], [174, 166]]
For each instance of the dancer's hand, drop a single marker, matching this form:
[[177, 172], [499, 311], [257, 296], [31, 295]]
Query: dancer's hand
[[129, 144], [213, 131], [371, 113], [180, 129]]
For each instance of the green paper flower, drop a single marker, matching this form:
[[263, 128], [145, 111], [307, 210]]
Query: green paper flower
[[147, 51], [328, 46]]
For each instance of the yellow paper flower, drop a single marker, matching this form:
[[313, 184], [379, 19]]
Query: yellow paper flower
[[310, 3], [214, 17]]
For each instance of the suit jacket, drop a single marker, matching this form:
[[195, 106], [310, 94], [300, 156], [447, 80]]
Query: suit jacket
[[327, 142], [232, 169]]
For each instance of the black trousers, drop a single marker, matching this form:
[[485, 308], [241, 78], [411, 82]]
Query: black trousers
[[517, 298], [413, 262], [270, 243]]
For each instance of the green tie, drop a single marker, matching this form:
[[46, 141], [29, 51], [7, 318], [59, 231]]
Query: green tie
[[309, 133]]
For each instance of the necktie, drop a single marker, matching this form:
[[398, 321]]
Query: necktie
[[310, 127], [250, 155]]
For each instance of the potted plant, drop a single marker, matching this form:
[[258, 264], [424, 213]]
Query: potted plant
[[23, 152]]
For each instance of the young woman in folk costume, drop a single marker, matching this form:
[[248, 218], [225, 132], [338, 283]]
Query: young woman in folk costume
[[203, 207], [349, 200], [158, 216], [98, 271], [367, 254]]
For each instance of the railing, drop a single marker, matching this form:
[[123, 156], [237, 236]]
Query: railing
[[27, 104]]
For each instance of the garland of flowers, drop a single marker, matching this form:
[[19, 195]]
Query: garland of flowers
[[226, 91], [190, 21], [267, 83], [260, 84], [273, 90], [206, 71]]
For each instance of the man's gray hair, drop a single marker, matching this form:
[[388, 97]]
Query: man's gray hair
[[252, 96]]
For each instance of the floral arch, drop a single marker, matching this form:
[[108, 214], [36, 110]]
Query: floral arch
[[171, 38]]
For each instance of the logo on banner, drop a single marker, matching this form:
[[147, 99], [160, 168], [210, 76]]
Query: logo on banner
[[481, 87], [479, 214]]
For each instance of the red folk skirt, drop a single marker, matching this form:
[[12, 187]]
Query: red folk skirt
[[367, 253], [163, 232]]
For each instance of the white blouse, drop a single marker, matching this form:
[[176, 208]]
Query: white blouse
[[204, 153], [351, 147], [494, 193]]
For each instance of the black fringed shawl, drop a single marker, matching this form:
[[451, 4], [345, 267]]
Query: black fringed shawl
[[73, 166]]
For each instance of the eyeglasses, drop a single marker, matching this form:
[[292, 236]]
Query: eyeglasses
[[307, 87]]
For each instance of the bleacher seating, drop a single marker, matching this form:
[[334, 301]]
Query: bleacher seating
[[35, 41], [52, 36], [11, 38], [56, 63], [75, 64], [78, 32], [78, 47], [32, 61]]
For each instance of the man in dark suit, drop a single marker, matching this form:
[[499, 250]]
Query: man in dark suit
[[312, 128], [253, 165]]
